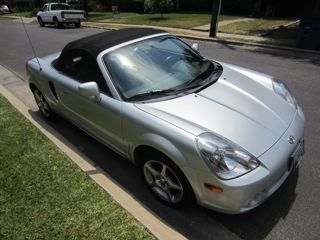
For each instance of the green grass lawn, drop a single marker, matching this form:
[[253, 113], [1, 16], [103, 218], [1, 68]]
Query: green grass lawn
[[255, 27], [178, 20], [44, 195], [96, 16], [22, 14]]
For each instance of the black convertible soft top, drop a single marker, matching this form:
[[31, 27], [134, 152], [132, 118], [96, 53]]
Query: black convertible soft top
[[96, 43]]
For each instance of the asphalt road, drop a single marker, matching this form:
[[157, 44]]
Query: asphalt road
[[291, 213]]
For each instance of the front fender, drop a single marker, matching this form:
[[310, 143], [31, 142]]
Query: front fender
[[174, 154], [163, 145]]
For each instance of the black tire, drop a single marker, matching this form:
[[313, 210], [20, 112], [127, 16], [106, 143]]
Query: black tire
[[77, 25], [166, 186], [57, 24], [43, 105], [41, 23]]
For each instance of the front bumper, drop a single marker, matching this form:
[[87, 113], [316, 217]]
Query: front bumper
[[250, 190]]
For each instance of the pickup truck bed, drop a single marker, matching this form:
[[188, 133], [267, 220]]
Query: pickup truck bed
[[59, 14]]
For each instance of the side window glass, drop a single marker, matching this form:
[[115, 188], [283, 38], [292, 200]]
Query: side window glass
[[80, 68], [53, 7], [75, 67]]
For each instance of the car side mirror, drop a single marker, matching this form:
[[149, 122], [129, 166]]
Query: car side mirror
[[90, 90], [195, 46]]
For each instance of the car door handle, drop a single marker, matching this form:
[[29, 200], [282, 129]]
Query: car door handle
[[64, 92]]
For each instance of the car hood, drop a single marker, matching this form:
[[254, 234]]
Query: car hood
[[241, 106]]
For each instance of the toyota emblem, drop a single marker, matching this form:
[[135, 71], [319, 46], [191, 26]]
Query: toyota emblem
[[292, 140]]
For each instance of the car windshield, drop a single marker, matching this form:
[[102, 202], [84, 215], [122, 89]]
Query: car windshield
[[156, 66], [59, 6]]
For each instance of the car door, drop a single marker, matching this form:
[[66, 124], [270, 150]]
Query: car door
[[102, 119], [44, 14]]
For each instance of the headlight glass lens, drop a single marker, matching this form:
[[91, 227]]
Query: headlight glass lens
[[283, 91], [224, 158]]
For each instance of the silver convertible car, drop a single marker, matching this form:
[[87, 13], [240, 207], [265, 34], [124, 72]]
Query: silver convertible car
[[198, 129]]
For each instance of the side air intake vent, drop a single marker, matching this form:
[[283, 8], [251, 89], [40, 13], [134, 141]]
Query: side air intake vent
[[53, 90]]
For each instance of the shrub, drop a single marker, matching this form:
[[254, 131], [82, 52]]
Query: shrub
[[34, 12], [158, 6]]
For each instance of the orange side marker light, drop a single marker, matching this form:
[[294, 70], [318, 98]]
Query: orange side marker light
[[213, 188]]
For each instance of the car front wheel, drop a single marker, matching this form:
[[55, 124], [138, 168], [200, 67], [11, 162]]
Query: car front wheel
[[167, 181], [43, 106]]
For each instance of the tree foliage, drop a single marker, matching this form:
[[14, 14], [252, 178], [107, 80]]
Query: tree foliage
[[158, 6]]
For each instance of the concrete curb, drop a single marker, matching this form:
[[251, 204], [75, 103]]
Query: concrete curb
[[145, 216], [12, 71]]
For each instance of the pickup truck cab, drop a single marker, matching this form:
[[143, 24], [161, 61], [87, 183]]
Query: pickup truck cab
[[59, 14]]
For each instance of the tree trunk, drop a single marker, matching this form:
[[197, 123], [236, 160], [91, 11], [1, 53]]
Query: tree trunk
[[85, 6], [257, 8], [161, 9], [214, 18]]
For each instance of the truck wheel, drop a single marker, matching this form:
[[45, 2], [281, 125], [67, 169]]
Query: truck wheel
[[77, 25], [41, 23], [57, 24]]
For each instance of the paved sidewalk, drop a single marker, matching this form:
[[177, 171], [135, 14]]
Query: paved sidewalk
[[24, 19], [17, 86], [206, 27]]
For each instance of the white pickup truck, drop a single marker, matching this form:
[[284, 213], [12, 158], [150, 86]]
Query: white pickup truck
[[59, 14]]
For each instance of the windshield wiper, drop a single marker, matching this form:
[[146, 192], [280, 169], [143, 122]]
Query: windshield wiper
[[202, 78], [152, 93]]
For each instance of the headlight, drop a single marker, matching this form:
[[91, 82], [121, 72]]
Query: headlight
[[283, 91], [224, 158]]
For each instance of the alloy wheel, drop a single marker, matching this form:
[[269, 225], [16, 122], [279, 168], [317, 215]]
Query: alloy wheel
[[163, 181], [42, 103]]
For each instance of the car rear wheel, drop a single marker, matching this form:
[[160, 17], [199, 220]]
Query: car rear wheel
[[41, 23], [166, 181], [77, 25], [43, 105]]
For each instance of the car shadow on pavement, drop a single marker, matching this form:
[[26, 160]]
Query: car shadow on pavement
[[64, 27], [303, 57], [194, 222]]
